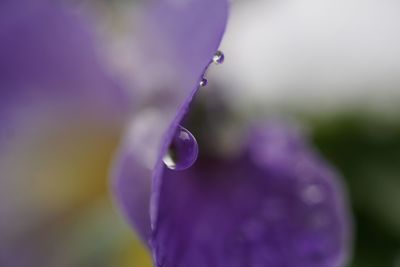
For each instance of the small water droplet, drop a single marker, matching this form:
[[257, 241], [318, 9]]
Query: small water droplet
[[203, 82], [218, 57], [183, 150], [312, 194]]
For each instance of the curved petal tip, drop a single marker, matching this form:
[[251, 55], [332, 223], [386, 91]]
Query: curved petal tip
[[180, 42]]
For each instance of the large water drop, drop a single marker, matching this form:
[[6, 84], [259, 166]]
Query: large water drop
[[183, 150]]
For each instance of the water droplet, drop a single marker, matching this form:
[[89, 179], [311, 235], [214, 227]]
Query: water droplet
[[312, 194], [183, 150], [203, 82], [218, 58]]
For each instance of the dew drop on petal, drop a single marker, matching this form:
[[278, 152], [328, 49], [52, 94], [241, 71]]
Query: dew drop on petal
[[183, 150], [313, 194], [203, 82], [218, 58]]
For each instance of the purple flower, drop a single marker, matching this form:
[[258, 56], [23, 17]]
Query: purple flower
[[54, 90], [274, 203]]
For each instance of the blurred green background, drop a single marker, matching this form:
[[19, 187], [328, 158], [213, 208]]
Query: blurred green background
[[367, 152]]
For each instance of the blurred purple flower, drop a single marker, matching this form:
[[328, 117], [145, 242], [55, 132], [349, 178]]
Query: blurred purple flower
[[53, 87], [276, 203]]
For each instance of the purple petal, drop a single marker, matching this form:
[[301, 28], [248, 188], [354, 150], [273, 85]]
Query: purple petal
[[180, 40], [49, 64], [276, 204], [53, 86]]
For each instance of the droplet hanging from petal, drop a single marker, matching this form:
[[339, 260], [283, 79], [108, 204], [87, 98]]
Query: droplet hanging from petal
[[183, 150], [218, 57], [203, 82]]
